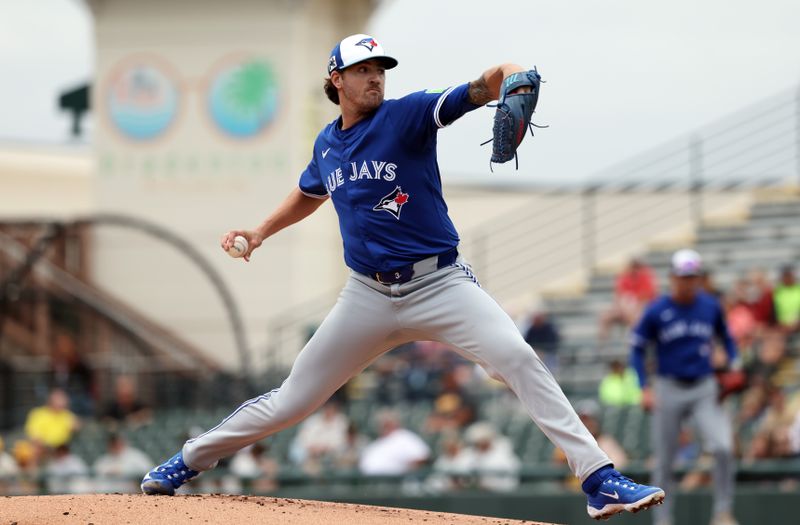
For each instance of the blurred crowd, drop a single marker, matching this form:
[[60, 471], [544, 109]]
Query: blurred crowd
[[42, 460], [466, 452], [469, 453]]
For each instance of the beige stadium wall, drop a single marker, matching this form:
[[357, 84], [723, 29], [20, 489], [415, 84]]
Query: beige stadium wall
[[44, 183], [161, 154]]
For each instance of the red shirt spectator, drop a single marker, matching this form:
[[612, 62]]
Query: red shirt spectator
[[635, 287], [637, 281]]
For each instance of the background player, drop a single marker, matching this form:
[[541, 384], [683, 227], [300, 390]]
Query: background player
[[377, 164], [682, 326]]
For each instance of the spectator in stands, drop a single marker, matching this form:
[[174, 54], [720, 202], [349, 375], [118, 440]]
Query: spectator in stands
[[786, 301], [754, 402], [759, 297], [589, 412], [742, 323], [67, 473], [620, 386], [126, 408], [427, 362], [354, 445], [450, 470], [320, 438], [490, 457], [453, 409], [53, 424], [688, 452], [71, 373], [772, 436], [392, 371], [691, 458], [397, 450], [254, 465], [26, 455], [635, 287], [793, 435], [121, 467], [8, 467], [543, 336]]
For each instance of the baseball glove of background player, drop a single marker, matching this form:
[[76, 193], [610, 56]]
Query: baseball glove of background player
[[513, 115], [730, 382]]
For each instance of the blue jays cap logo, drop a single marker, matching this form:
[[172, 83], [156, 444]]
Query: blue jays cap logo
[[393, 202], [368, 43]]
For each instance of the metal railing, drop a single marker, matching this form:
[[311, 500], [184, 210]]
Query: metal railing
[[674, 185]]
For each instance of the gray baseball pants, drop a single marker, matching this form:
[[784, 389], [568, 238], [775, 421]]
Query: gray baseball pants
[[675, 403], [370, 318]]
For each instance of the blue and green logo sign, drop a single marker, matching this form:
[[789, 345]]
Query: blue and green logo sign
[[243, 98], [142, 101]]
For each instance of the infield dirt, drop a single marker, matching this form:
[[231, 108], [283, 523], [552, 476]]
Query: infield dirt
[[117, 509]]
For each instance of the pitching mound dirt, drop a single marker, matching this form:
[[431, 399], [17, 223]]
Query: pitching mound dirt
[[115, 509]]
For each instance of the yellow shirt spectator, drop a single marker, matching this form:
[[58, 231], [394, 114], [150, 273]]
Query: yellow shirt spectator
[[52, 424]]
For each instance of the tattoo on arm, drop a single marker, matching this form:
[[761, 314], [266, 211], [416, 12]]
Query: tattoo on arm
[[479, 92]]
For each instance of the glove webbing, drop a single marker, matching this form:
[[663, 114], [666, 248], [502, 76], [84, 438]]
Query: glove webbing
[[504, 122], [516, 80]]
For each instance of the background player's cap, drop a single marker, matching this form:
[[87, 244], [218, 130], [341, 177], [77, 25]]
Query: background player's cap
[[355, 49], [686, 263]]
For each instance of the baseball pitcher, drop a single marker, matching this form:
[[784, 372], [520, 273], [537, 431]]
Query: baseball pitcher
[[377, 164]]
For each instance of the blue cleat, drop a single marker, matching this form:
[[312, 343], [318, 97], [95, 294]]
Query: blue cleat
[[617, 493], [167, 477]]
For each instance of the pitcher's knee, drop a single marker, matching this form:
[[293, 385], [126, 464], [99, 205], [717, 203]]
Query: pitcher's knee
[[517, 358]]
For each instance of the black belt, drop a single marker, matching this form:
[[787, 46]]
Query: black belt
[[687, 381], [406, 273]]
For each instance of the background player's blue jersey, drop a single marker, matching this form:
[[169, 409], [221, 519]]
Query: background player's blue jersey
[[683, 337], [383, 177]]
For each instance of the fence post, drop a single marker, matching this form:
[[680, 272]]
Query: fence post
[[588, 227], [696, 180]]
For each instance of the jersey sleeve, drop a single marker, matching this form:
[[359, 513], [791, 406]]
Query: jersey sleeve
[[422, 113], [721, 329], [311, 183]]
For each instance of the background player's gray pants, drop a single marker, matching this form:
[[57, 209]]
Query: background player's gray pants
[[675, 404], [369, 318]]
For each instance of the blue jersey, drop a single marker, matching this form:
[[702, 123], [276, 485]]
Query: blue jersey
[[682, 335], [383, 177]]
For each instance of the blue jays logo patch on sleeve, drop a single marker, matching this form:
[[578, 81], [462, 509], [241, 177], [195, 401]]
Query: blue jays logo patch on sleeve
[[393, 202]]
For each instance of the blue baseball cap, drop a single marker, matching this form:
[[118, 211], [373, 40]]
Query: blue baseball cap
[[355, 49]]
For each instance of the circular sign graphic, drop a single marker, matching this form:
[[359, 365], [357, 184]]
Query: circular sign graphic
[[142, 101], [243, 98]]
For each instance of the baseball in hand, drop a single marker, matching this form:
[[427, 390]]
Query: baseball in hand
[[239, 247]]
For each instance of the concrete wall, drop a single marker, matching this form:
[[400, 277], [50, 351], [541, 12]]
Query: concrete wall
[[176, 83], [49, 183]]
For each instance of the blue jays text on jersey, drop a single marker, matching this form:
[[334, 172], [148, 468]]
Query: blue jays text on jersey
[[683, 337], [384, 180]]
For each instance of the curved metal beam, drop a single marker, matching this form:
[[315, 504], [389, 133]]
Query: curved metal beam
[[163, 234]]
